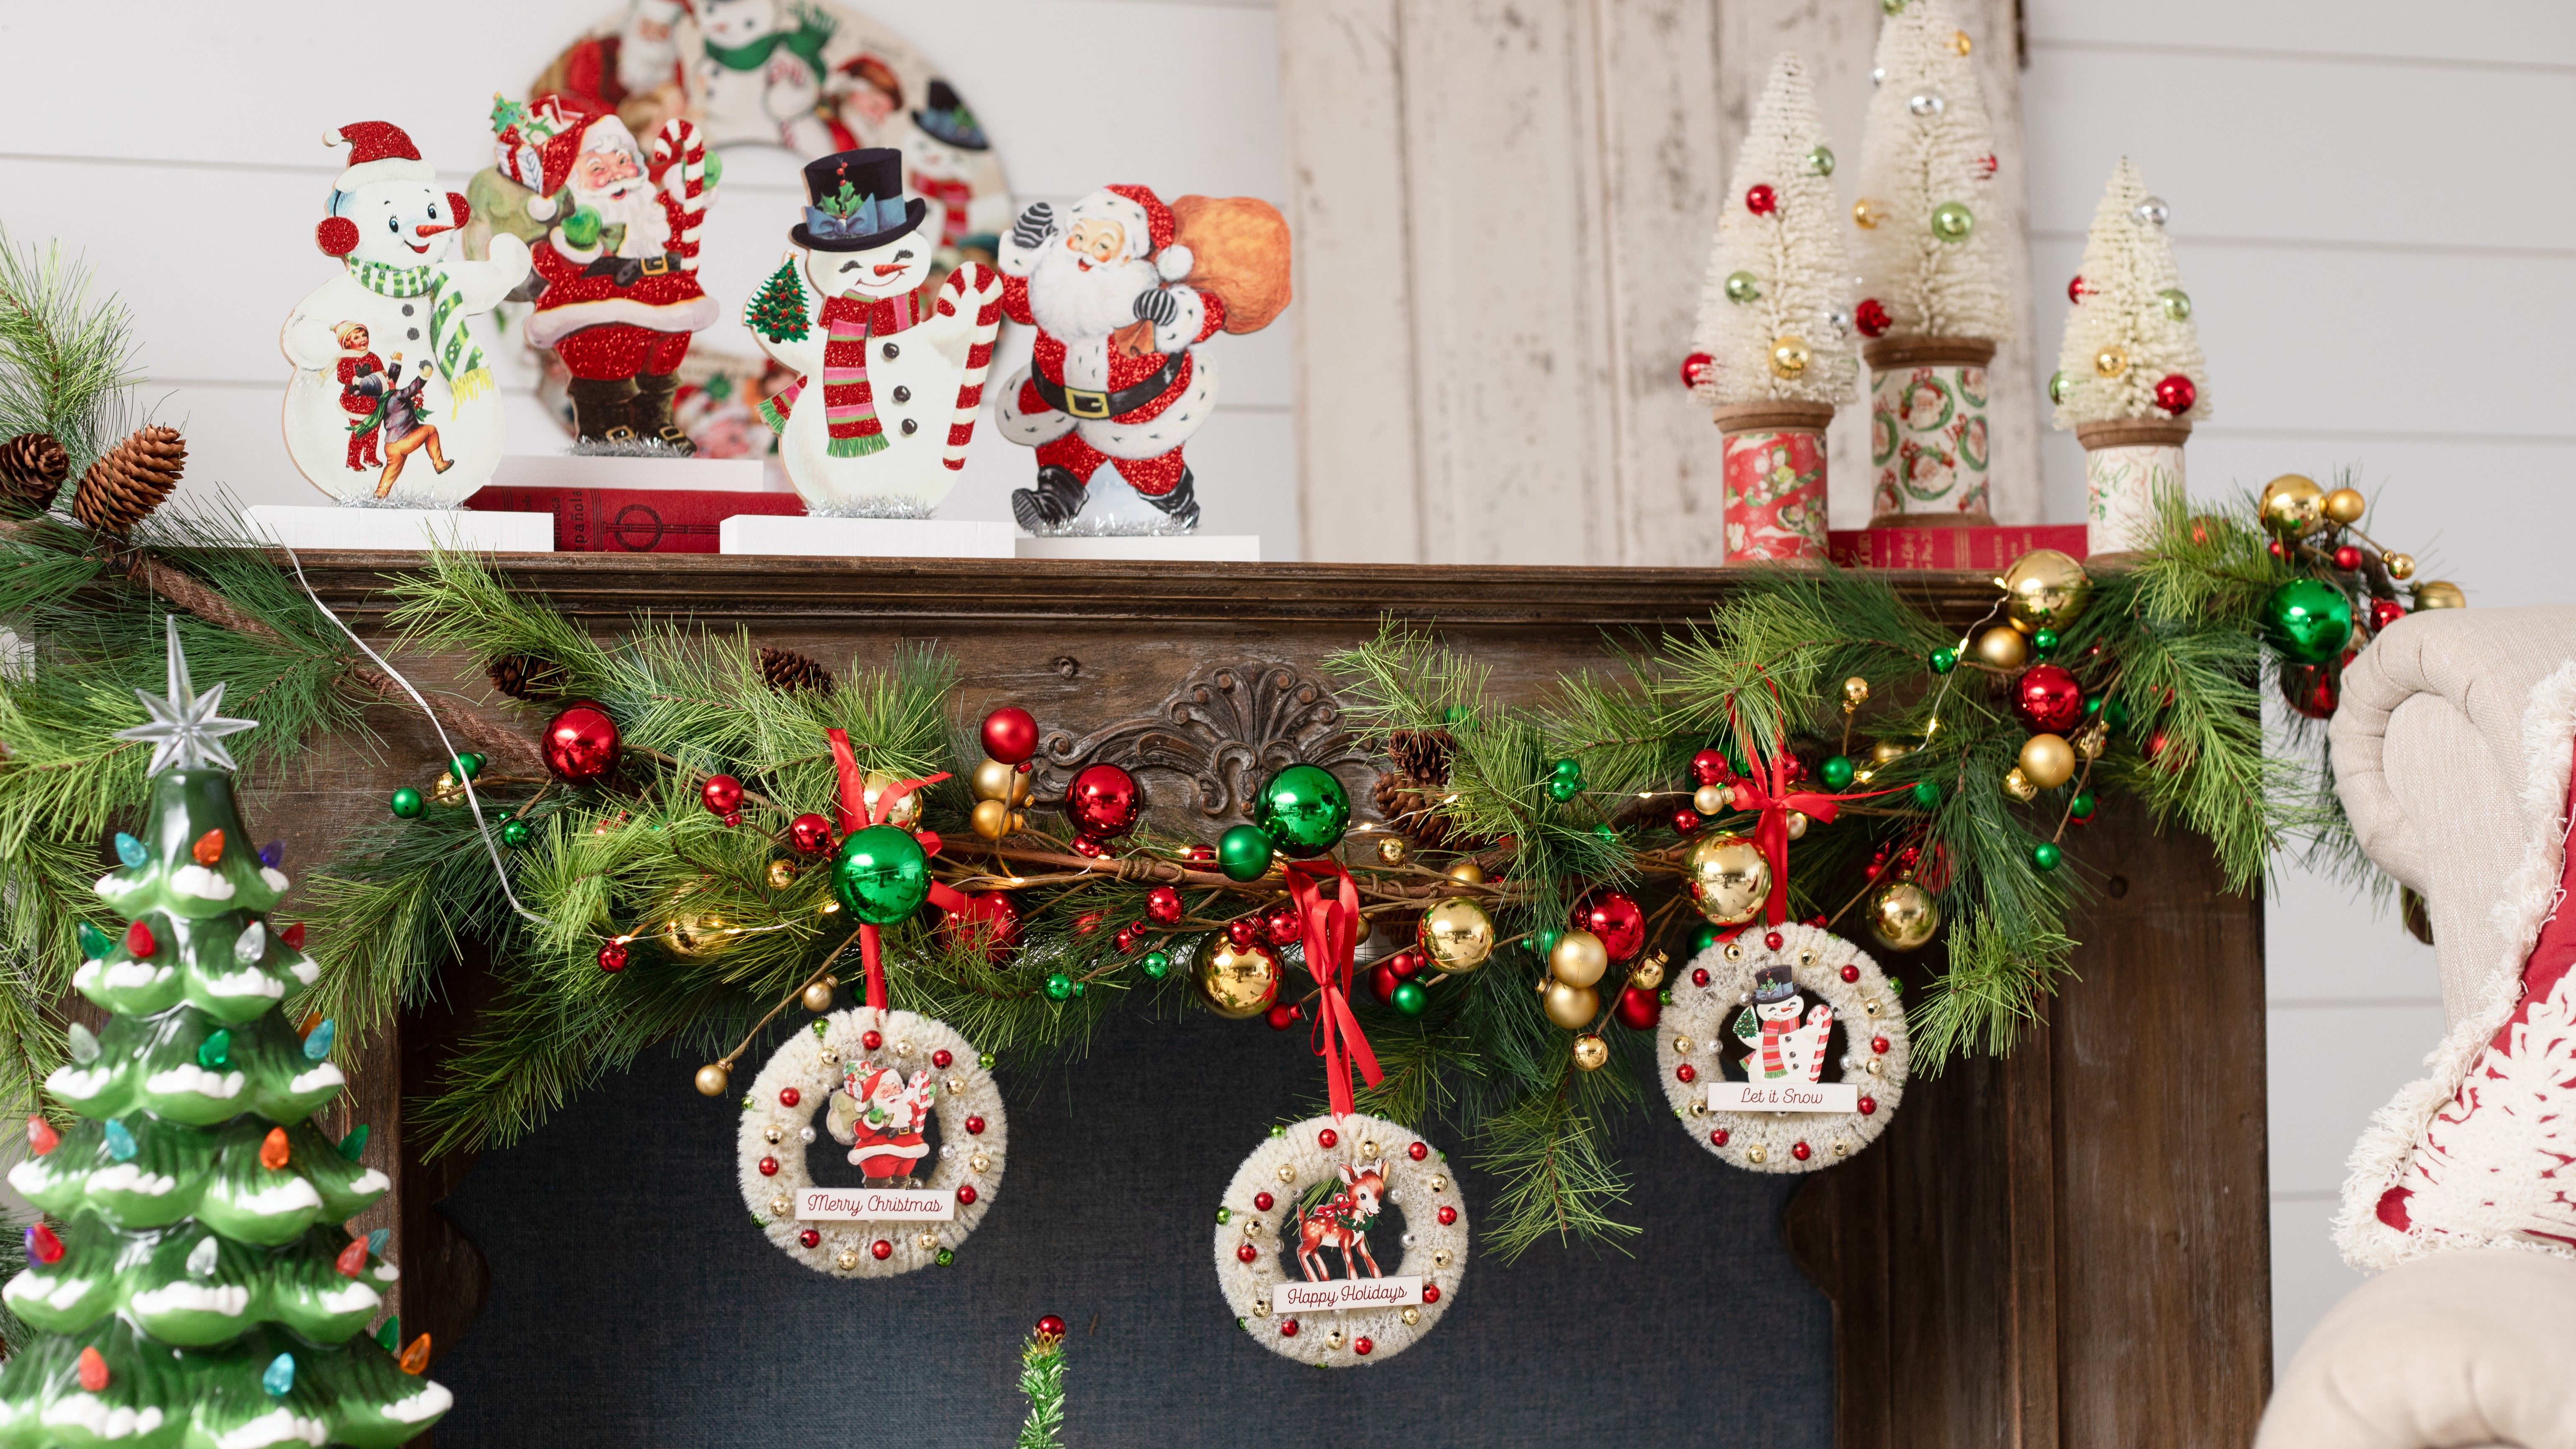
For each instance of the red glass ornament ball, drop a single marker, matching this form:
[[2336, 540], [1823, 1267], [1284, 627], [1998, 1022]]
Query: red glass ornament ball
[[734, 817], [1103, 802], [2075, 290], [1772, 940], [941, 1059], [2311, 689], [1850, 974], [1405, 964], [1090, 846], [1010, 734], [1699, 976], [1382, 983], [810, 1238], [2384, 612], [1283, 1014], [810, 833], [966, 1193], [1878, 1044], [1761, 200], [2276, 549], [2047, 699], [789, 1096], [881, 1250], [2175, 394], [1287, 1328], [1430, 1292], [1125, 940], [1694, 366], [1242, 931], [1870, 316], [974, 1126], [1686, 822], [1709, 767], [871, 1040], [1447, 1215], [1328, 1139], [1717, 1137], [1800, 1151], [1362, 1346], [769, 1167], [1638, 1009], [1283, 927], [1163, 906], [2347, 558], [1686, 1072], [1418, 1151], [1246, 1253], [1262, 1201], [1201, 854], [722, 794], [612, 957], [1868, 1106], [1613, 916], [581, 743]]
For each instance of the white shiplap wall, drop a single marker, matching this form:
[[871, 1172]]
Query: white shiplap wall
[[211, 138], [2375, 234]]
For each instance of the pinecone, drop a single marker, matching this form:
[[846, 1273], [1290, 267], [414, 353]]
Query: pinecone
[[129, 480], [32, 469], [525, 676], [788, 671], [1408, 796]]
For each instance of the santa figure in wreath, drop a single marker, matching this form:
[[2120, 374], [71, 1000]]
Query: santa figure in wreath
[[1113, 378], [619, 298], [880, 1115]]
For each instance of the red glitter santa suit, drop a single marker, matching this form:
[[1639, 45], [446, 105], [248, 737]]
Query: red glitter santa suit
[[365, 405], [1124, 387]]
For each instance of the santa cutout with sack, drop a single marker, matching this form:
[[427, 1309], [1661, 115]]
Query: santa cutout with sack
[[620, 297], [1122, 288], [400, 302]]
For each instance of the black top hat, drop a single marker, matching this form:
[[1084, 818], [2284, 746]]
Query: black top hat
[[856, 202], [1771, 983], [947, 119]]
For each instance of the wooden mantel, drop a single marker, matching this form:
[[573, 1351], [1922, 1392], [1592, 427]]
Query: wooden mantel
[[2066, 1248]]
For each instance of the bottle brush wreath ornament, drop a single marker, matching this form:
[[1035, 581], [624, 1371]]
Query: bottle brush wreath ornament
[[1784, 1050]]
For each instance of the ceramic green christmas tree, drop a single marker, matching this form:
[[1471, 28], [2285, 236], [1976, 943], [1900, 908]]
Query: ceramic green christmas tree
[[192, 1285]]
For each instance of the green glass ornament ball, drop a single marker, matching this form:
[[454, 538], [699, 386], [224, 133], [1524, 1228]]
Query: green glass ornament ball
[[1243, 853], [1836, 772], [985, 1060], [2307, 622], [467, 766], [946, 1255], [1743, 287], [2043, 641], [2092, 705], [2057, 387], [407, 804], [2046, 855], [1821, 160], [1303, 809], [881, 876], [1952, 221], [1703, 938], [1059, 987], [516, 834], [2082, 806], [1943, 659], [1409, 998], [1926, 795], [1561, 790], [1568, 768], [2115, 713], [1157, 965], [2177, 304], [1224, 1215], [1543, 940]]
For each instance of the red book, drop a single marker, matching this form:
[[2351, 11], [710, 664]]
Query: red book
[[634, 520], [1976, 550]]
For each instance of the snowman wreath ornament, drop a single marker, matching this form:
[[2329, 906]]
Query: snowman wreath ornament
[[1783, 1052]]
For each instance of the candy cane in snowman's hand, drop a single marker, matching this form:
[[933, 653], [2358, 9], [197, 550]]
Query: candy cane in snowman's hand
[[685, 182], [980, 287]]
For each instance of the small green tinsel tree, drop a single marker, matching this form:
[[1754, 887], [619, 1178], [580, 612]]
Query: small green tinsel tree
[[1042, 1382], [777, 310], [194, 1284]]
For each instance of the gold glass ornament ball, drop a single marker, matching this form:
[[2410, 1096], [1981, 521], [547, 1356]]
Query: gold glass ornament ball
[[711, 1079], [1590, 1052], [1889, 751], [1457, 935], [2400, 566], [1713, 799], [2017, 784], [992, 819], [2439, 594], [2047, 761], [1855, 692], [449, 790], [1467, 872], [2045, 588], [1797, 825], [1648, 974], [1238, 981], [2345, 506], [2293, 506], [1728, 878], [2090, 740], [818, 995], [693, 933], [1865, 214], [1391, 850], [1903, 915], [848, 1258], [1789, 356], [2110, 362], [904, 812], [2003, 647], [1571, 1007], [1578, 958], [997, 781], [782, 874]]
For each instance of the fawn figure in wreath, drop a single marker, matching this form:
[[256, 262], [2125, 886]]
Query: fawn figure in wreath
[[879, 1113], [1782, 1047], [1339, 1217]]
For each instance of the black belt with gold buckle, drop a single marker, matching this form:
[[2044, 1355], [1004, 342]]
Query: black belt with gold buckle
[[1093, 406]]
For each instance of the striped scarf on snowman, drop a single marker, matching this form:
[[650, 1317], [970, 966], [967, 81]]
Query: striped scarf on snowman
[[849, 403], [459, 359]]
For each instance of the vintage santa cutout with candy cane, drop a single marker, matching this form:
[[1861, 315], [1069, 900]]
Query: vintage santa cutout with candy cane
[[1305, 1226], [391, 403]]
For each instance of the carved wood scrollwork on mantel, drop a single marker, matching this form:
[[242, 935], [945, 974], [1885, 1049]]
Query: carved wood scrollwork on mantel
[[1223, 729]]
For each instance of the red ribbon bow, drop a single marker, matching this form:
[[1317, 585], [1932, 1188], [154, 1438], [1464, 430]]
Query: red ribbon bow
[[855, 814], [1332, 933], [1771, 832]]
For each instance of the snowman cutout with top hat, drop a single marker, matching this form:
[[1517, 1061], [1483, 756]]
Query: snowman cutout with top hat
[[878, 420]]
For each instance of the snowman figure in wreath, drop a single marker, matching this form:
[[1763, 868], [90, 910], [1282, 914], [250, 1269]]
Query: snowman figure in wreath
[[1782, 1048], [879, 1113]]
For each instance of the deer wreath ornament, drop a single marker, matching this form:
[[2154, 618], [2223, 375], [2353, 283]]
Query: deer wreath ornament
[[1317, 1196]]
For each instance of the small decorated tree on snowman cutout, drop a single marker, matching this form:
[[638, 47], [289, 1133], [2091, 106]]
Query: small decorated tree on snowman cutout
[[1934, 295], [2130, 378], [1774, 352], [191, 1283]]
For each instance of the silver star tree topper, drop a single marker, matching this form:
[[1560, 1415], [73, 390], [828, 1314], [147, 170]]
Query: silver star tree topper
[[185, 730]]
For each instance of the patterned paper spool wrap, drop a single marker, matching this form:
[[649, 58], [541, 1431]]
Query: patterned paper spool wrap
[[1775, 480], [2127, 462], [1927, 430]]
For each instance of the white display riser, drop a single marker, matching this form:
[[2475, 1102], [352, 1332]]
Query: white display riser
[[751, 533], [382, 529]]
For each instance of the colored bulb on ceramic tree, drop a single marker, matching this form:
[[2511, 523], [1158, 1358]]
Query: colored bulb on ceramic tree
[[1243, 853], [881, 875], [2307, 622], [131, 851], [1303, 809]]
